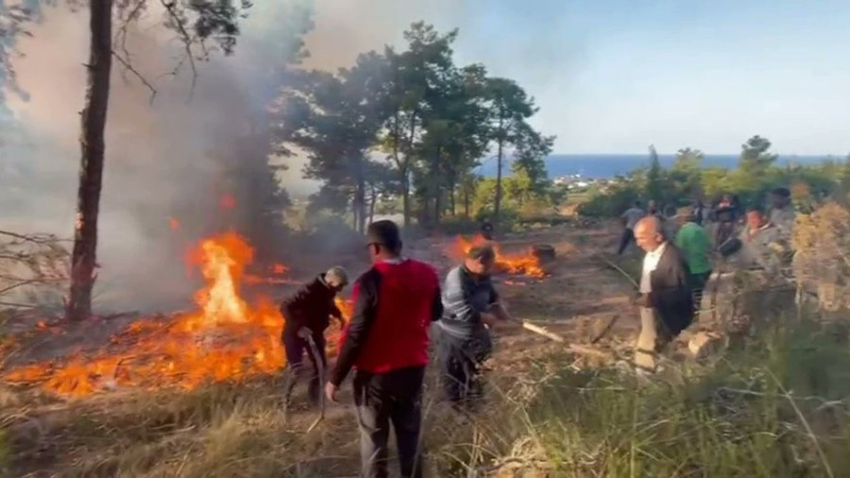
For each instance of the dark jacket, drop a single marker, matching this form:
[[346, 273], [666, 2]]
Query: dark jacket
[[394, 305], [310, 307], [465, 298], [671, 294]]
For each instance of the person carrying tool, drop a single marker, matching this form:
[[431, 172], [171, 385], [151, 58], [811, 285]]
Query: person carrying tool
[[307, 315], [666, 303], [471, 306], [386, 341]]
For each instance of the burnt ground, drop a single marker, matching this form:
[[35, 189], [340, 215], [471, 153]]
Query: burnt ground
[[580, 296]]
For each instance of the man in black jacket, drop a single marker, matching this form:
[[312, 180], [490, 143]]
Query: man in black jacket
[[665, 302], [307, 315]]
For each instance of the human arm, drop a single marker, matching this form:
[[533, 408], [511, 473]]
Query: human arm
[[497, 317], [366, 299], [437, 304], [291, 313]]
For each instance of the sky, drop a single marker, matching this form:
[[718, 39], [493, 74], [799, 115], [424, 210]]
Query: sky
[[614, 76]]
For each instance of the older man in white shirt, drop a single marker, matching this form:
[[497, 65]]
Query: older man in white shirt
[[666, 301]]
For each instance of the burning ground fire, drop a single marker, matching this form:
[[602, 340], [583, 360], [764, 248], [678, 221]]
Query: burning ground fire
[[226, 339], [522, 264]]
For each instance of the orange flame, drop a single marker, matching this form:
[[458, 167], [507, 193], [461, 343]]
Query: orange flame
[[522, 264], [226, 339]]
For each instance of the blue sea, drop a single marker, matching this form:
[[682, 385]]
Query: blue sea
[[598, 166]]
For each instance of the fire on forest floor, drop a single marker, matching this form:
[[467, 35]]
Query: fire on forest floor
[[226, 339], [226, 419], [519, 263]]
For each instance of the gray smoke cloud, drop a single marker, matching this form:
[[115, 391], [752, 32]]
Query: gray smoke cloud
[[170, 158]]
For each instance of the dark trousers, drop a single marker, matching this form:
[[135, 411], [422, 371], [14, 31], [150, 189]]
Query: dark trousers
[[627, 238], [394, 397], [460, 364], [295, 348], [698, 283]]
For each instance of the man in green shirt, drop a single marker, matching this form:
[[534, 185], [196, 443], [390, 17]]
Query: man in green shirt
[[692, 239]]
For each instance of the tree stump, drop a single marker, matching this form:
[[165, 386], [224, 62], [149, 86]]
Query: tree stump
[[543, 252]]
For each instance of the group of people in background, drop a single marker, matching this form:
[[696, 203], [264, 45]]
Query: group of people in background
[[387, 341], [679, 254]]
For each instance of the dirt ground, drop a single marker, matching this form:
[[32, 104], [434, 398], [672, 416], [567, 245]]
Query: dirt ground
[[578, 298]]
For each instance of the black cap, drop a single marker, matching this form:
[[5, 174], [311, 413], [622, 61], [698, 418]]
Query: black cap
[[386, 234]]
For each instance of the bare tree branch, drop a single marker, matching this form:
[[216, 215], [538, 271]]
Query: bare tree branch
[[135, 73], [186, 38]]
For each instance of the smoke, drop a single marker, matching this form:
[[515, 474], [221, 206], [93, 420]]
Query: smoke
[[168, 162], [173, 158]]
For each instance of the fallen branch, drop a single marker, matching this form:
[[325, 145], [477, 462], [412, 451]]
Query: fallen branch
[[575, 348]]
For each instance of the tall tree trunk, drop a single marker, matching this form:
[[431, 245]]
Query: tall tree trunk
[[84, 256], [466, 199], [360, 202], [436, 187], [405, 197], [453, 200], [498, 205], [372, 205]]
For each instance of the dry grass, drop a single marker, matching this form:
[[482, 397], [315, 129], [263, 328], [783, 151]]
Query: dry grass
[[775, 406]]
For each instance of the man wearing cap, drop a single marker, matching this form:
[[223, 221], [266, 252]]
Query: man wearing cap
[[471, 306], [307, 314], [386, 342]]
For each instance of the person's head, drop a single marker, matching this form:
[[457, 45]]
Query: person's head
[[652, 206], [384, 240], [638, 204], [726, 198], [780, 197], [336, 278], [685, 215], [756, 217], [480, 259], [649, 234]]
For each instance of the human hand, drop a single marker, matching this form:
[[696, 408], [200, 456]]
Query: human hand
[[304, 332], [642, 300], [331, 391]]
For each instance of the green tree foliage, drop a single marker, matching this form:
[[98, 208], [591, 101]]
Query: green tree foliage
[[416, 75], [510, 108], [336, 120], [756, 175], [655, 181], [411, 123]]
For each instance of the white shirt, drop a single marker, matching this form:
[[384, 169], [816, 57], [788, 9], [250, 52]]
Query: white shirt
[[650, 263]]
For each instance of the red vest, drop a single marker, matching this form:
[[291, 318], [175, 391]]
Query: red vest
[[399, 335]]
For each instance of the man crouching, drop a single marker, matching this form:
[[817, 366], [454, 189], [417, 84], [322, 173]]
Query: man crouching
[[665, 302], [307, 315], [471, 306]]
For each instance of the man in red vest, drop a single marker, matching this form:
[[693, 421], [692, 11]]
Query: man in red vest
[[386, 342]]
